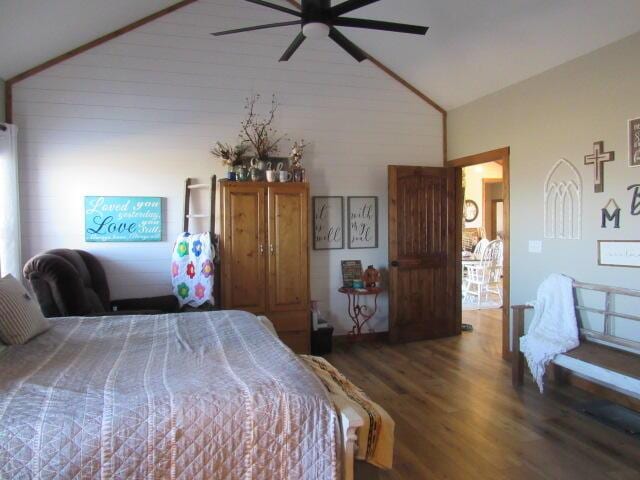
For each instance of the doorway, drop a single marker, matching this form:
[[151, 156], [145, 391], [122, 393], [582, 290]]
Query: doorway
[[492, 206], [487, 216]]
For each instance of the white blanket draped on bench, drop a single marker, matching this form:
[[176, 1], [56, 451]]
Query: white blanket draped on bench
[[601, 357], [554, 328]]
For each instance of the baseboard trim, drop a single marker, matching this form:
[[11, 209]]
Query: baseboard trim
[[364, 338]]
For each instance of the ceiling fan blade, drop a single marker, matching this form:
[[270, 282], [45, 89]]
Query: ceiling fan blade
[[293, 47], [257, 27], [350, 5], [275, 7], [350, 47], [378, 25]]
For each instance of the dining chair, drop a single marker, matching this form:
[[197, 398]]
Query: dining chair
[[485, 276], [480, 247], [477, 253]]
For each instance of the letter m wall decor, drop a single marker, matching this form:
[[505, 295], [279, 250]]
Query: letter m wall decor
[[123, 219]]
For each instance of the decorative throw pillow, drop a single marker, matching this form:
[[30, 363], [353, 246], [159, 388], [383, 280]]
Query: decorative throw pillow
[[20, 316]]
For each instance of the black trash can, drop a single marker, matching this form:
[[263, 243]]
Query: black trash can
[[321, 340]]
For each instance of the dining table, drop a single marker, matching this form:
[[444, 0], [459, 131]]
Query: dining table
[[469, 260]]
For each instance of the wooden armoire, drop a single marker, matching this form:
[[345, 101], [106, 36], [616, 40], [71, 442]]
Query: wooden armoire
[[264, 255]]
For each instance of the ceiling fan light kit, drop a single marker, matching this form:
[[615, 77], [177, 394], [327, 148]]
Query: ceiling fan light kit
[[315, 30], [318, 19]]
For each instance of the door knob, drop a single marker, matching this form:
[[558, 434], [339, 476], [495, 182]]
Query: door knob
[[395, 263]]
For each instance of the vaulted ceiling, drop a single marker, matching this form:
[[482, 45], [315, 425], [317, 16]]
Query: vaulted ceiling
[[474, 47]]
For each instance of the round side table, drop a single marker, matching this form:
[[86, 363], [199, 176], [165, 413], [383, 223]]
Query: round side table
[[360, 314]]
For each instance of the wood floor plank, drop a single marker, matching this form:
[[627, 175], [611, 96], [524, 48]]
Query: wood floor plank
[[457, 416]]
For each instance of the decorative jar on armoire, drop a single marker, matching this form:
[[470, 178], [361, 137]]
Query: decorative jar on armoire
[[264, 255]]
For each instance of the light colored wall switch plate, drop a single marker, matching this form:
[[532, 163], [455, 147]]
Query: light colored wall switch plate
[[535, 246]]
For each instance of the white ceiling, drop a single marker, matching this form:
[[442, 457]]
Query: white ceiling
[[474, 47]]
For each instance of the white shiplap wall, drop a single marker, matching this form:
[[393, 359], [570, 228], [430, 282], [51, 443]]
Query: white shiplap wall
[[138, 115]]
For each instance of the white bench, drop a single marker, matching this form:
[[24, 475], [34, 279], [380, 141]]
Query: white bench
[[601, 358]]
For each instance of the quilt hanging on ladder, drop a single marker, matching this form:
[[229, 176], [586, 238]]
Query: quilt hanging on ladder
[[192, 269]]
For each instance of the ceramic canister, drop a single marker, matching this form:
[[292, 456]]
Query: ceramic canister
[[284, 176]]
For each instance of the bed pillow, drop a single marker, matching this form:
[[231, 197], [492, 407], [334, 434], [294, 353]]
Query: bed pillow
[[20, 316]]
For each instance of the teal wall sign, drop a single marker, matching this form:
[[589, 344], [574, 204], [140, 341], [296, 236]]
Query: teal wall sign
[[122, 219]]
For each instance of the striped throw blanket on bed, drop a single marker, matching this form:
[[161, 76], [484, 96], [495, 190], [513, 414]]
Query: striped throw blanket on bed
[[375, 437]]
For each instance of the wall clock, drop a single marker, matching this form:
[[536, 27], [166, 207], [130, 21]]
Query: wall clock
[[470, 211]]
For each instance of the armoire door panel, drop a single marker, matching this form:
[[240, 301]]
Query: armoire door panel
[[244, 279], [288, 248]]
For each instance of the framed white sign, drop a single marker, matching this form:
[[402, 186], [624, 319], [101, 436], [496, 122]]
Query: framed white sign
[[328, 223], [363, 222], [619, 253], [634, 142]]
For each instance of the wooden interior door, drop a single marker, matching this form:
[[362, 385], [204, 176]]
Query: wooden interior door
[[425, 211], [288, 248], [244, 274]]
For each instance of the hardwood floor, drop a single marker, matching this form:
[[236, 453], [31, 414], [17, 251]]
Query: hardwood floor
[[457, 416]]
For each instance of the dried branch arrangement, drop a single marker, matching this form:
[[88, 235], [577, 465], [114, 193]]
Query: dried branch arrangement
[[229, 155], [258, 130], [297, 152]]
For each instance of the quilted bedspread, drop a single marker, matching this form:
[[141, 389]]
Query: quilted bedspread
[[200, 395]]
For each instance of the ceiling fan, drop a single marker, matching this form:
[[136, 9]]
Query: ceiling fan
[[319, 19]]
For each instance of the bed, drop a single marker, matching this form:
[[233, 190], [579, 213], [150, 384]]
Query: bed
[[196, 395]]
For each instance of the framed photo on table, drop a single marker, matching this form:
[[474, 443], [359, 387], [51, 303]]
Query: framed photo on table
[[351, 270], [362, 219], [328, 223]]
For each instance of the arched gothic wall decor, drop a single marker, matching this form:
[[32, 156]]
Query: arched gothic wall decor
[[563, 202]]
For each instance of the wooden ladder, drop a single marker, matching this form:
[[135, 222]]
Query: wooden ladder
[[188, 187]]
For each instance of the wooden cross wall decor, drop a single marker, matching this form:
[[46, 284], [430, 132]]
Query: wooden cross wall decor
[[597, 159]]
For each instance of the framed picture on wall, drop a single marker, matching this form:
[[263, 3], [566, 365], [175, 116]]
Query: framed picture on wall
[[328, 223], [634, 142], [362, 222], [619, 253]]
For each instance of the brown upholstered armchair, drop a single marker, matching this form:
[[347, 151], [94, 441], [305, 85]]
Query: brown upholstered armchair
[[73, 283]]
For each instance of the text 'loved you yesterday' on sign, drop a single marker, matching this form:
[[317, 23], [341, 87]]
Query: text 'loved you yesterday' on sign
[[123, 219]]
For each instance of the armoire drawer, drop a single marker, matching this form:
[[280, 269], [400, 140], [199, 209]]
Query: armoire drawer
[[290, 321], [296, 341]]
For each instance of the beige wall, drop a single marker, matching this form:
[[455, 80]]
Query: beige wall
[[1, 100], [559, 114]]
